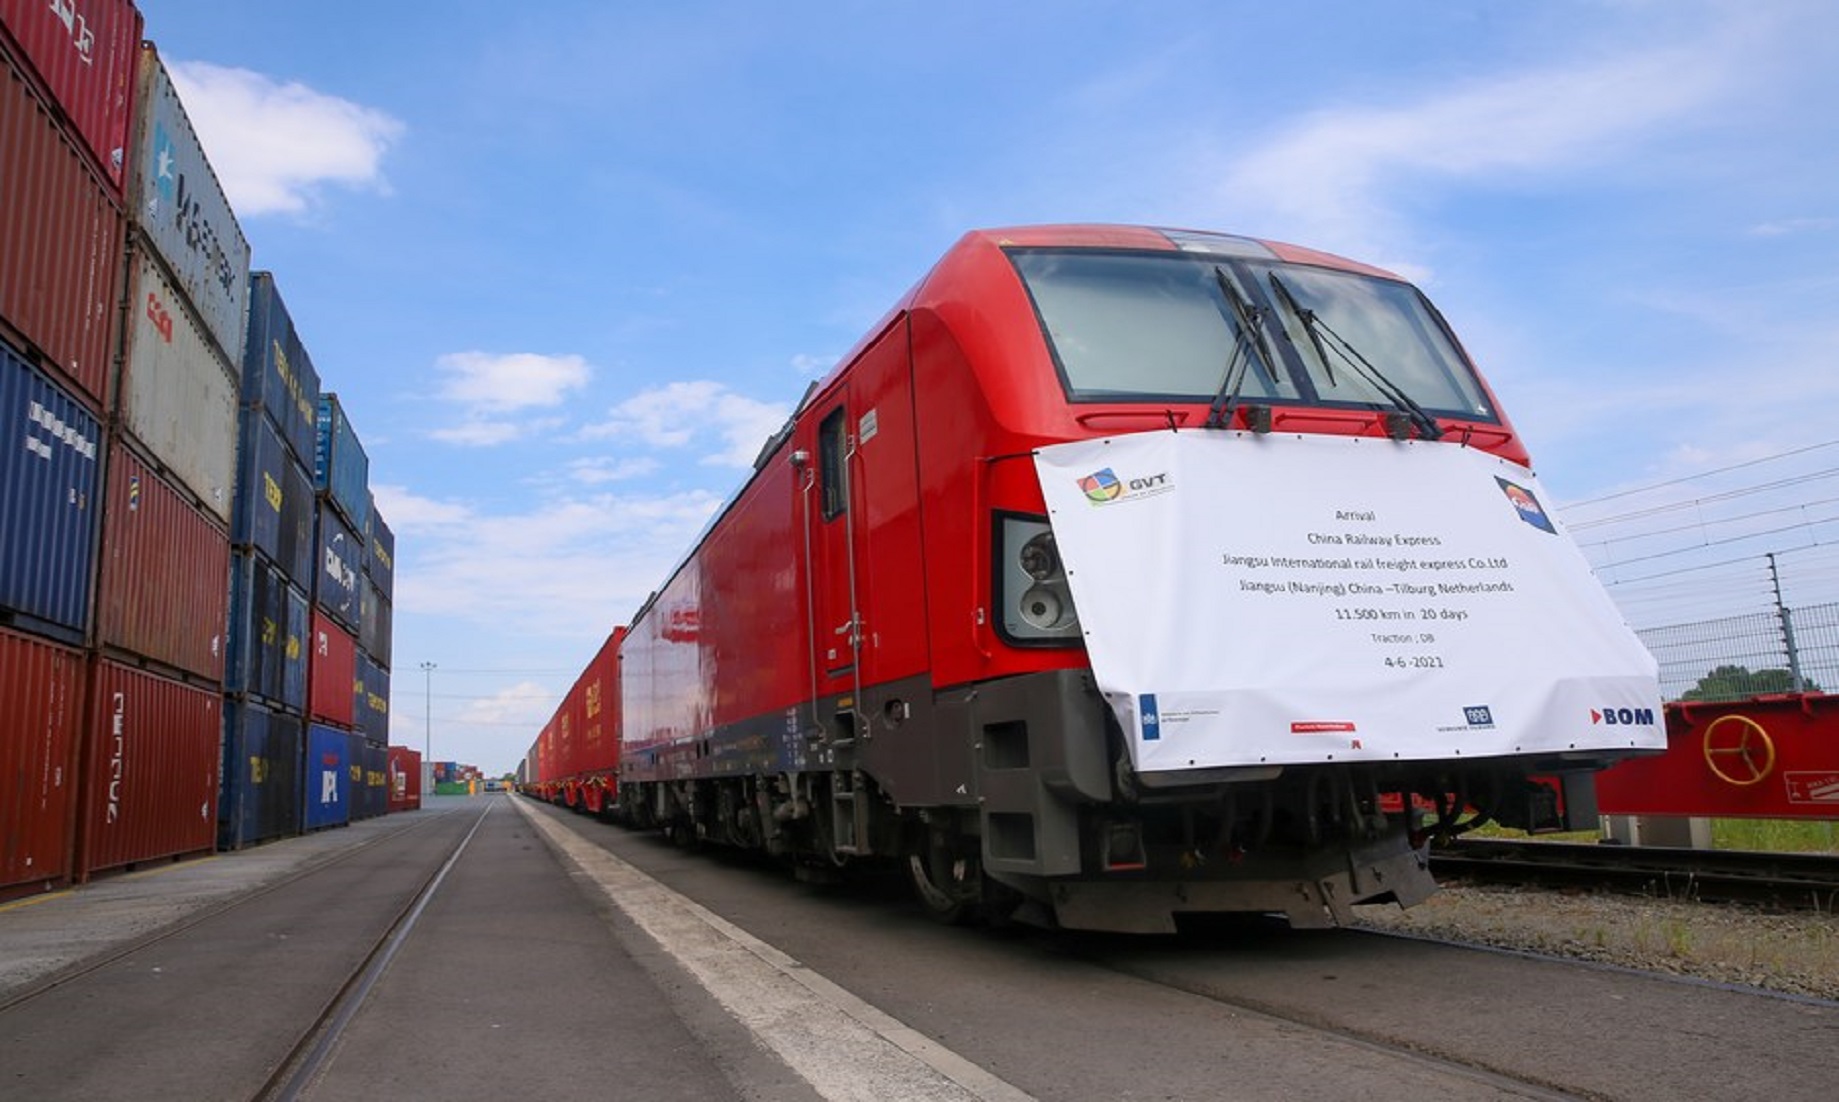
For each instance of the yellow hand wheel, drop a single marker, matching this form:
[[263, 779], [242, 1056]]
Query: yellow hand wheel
[[1751, 757]]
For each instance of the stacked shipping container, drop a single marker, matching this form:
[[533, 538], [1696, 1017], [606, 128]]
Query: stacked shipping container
[[157, 704], [65, 103], [273, 641], [344, 676], [164, 572]]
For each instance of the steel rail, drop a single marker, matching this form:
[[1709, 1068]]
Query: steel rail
[[313, 1051], [1790, 881]]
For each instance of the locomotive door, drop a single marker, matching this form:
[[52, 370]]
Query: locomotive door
[[830, 521]]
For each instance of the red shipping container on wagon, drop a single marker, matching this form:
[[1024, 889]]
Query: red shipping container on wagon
[[61, 267], [332, 672], [404, 779], [41, 711], [165, 588], [85, 52], [150, 789]]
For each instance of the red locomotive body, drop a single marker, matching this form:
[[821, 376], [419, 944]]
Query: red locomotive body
[[876, 650]]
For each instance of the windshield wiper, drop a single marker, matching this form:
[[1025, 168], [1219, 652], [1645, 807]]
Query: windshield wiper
[[1307, 317], [1247, 347], [1315, 327]]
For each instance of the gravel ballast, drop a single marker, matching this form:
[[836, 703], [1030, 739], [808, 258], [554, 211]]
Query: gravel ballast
[[1792, 953]]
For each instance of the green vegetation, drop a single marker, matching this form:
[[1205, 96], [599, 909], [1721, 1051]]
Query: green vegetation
[[1764, 835], [1775, 835], [1738, 682]]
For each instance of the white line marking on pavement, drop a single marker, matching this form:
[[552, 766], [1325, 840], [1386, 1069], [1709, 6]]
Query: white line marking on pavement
[[841, 1045]]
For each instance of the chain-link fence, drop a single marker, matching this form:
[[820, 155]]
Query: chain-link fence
[[1741, 656]]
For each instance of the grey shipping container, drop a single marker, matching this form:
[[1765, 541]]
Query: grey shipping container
[[178, 395], [50, 447], [278, 375], [276, 508], [341, 561], [269, 625], [377, 624], [341, 468], [260, 798], [180, 206]]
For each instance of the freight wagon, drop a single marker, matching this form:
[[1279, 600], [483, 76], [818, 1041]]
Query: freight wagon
[[1120, 573]]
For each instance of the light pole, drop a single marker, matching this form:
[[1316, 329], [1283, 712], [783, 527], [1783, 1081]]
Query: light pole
[[427, 746]]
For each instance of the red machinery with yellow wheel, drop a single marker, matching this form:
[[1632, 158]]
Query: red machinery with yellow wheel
[[1767, 757]]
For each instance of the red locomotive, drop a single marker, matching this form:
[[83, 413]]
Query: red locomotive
[[1123, 572]]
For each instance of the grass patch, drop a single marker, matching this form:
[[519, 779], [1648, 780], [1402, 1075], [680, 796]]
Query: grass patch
[[1761, 835], [1775, 835]]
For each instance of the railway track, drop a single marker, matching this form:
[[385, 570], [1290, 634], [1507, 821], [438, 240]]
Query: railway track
[[270, 978], [1790, 881]]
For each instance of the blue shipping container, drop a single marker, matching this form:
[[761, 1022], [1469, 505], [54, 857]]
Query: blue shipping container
[[260, 796], [327, 792], [341, 563], [341, 470], [50, 448], [373, 700], [270, 621], [370, 791], [380, 555], [278, 376], [275, 507]]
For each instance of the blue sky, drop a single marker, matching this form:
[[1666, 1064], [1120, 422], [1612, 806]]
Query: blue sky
[[568, 263]]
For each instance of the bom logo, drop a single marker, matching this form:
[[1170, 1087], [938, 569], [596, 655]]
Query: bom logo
[[1623, 717], [1103, 487]]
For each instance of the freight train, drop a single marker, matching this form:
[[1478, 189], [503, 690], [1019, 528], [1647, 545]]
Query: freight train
[[1120, 573]]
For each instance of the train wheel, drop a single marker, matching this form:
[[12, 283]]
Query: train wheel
[[948, 885]]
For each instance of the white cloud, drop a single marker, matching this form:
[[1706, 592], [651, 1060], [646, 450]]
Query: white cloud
[[675, 415], [491, 381], [1787, 227], [274, 144], [407, 511], [479, 434], [525, 704], [603, 468], [567, 568], [812, 367], [1336, 175]]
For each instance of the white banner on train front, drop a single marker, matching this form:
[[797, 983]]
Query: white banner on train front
[[1262, 600]]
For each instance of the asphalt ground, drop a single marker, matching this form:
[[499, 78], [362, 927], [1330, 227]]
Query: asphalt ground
[[205, 979]]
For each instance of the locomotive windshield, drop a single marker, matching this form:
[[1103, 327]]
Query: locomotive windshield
[[1143, 327]]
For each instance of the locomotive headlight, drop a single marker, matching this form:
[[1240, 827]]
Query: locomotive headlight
[[1039, 558], [1031, 585], [1042, 608]]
